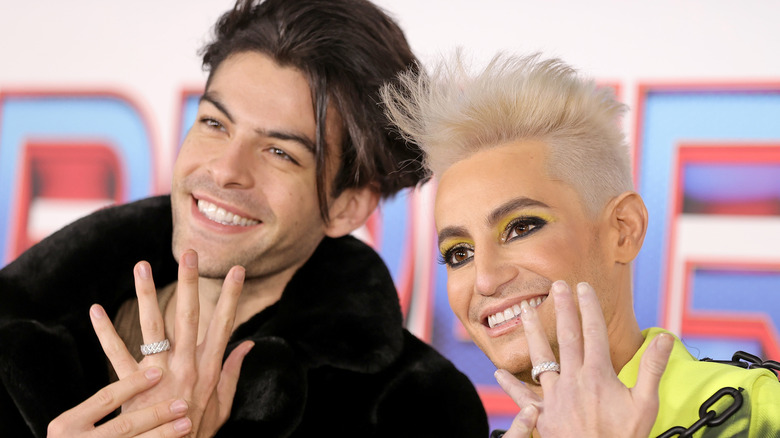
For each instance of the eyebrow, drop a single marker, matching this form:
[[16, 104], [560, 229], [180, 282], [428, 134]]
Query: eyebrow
[[508, 207], [280, 135], [449, 232], [494, 217]]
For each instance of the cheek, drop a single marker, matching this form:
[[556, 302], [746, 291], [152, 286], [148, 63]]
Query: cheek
[[186, 161], [459, 296], [556, 259]]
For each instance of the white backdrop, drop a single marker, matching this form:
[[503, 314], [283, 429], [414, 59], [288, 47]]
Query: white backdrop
[[147, 48]]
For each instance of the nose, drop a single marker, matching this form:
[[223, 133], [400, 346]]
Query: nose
[[493, 271], [232, 166]]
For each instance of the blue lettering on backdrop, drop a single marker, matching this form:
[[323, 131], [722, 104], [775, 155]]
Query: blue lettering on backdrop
[[104, 118], [670, 117]]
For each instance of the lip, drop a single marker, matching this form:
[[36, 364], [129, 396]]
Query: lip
[[511, 324], [216, 226]]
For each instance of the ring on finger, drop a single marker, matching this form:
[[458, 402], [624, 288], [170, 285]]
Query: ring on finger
[[155, 347], [543, 367]]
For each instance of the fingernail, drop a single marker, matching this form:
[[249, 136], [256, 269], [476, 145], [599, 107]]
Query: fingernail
[[664, 342], [191, 259], [143, 271], [153, 373], [182, 425], [525, 309], [582, 288], [529, 411], [179, 407], [500, 376], [249, 346], [96, 311], [238, 274], [559, 287]]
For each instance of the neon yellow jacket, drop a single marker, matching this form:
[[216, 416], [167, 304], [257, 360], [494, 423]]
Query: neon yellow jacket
[[687, 383]]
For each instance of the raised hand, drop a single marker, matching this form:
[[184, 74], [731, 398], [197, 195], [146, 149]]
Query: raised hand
[[584, 399], [192, 372], [162, 419]]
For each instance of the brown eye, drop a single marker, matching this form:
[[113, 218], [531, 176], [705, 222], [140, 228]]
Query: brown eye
[[212, 123], [522, 227], [457, 256]]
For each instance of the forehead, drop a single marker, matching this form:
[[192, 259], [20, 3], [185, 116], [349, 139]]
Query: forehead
[[268, 96], [473, 188], [253, 79]]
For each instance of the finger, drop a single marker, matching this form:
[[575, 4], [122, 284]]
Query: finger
[[538, 345], [524, 423], [113, 346], [651, 369], [221, 324], [158, 420], [594, 329], [187, 307], [173, 429], [518, 391], [570, 348], [152, 326], [111, 397], [226, 388]]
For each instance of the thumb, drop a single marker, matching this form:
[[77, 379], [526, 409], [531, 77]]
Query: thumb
[[524, 423], [651, 368], [226, 388]]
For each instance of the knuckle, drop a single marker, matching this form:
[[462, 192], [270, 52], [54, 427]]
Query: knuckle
[[592, 332], [568, 337], [153, 325], [191, 316], [105, 397], [57, 427], [225, 326], [159, 413], [121, 426]]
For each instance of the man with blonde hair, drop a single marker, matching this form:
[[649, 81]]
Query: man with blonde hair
[[535, 194]]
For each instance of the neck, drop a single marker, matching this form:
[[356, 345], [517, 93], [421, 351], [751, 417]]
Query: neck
[[625, 336], [257, 294]]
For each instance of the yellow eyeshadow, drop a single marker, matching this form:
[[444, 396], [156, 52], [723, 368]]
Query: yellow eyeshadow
[[451, 243], [503, 223]]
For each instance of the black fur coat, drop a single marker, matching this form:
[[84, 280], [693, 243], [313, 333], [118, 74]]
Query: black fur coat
[[330, 359]]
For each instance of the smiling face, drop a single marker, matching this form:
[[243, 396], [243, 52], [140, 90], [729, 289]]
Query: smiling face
[[244, 183], [507, 231]]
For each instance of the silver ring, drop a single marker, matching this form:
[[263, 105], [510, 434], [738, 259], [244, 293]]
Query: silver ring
[[543, 368], [155, 347]]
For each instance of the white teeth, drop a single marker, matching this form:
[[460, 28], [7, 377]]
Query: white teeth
[[512, 312], [219, 214]]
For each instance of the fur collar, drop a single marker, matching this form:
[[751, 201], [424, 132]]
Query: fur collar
[[340, 309]]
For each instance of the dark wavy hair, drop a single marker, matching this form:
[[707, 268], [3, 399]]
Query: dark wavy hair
[[346, 49]]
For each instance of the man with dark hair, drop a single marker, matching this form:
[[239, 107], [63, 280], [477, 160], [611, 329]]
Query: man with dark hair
[[288, 155]]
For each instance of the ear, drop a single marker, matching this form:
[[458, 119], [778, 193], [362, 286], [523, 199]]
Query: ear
[[628, 220], [350, 210]]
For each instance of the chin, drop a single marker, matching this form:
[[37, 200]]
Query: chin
[[512, 357]]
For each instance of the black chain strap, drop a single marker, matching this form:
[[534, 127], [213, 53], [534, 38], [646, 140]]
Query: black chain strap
[[748, 361], [707, 417], [711, 418]]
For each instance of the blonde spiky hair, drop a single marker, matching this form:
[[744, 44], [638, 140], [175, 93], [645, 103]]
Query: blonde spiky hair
[[452, 113]]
